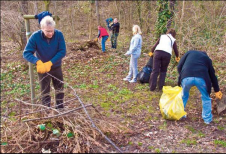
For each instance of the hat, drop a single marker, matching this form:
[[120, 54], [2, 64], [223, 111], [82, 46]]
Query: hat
[[41, 15]]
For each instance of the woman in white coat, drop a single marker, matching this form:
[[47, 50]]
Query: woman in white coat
[[134, 52]]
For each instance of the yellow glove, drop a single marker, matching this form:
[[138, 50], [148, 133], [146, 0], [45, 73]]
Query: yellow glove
[[96, 39], [41, 67], [218, 94], [48, 65], [150, 54], [177, 59], [111, 23], [108, 39]]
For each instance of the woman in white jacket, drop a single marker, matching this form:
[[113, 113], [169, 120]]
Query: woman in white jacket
[[134, 51]]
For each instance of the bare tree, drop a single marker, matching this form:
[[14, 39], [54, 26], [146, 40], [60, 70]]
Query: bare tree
[[97, 12], [91, 19], [23, 11], [139, 13], [172, 3], [47, 3]]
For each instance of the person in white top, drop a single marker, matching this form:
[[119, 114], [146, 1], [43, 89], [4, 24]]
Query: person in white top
[[163, 51]]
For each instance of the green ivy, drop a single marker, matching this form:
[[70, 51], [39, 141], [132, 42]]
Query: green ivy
[[164, 14]]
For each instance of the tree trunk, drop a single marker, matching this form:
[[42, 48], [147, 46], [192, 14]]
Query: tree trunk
[[47, 3], [172, 3], [139, 13], [130, 14], [35, 3], [24, 11], [91, 20], [97, 12], [119, 12]]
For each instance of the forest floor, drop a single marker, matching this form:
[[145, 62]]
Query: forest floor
[[97, 78]]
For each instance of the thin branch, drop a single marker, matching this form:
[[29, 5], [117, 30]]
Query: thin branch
[[93, 125], [57, 114]]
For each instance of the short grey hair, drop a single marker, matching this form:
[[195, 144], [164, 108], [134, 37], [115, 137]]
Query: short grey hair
[[47, 21]]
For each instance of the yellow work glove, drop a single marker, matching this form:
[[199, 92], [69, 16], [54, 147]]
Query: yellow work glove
[[177, 59], [40, 67], [111, 23], [48, 65], [96, 39], [108, 39], [150, 54], [218, 94]]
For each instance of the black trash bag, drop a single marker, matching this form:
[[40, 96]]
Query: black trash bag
[[144, 75], [150, 62]]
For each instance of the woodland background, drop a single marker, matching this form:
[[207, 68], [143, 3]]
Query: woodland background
[[127, 113]]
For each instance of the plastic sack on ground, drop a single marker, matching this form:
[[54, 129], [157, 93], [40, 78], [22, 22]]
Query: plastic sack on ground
[[171, 103]]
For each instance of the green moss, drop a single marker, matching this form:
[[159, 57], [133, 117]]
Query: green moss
[[189, 142], [191, 129], [220, 142]]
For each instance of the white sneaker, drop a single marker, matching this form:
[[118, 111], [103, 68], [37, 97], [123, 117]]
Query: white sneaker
[[126, 79], [133, 81]]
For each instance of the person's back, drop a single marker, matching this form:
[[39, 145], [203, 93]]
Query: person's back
[[196, 64], [195, 69]]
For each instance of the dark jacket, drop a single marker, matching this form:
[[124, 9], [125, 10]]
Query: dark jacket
[[115, 28], [53, 51], [198, 64]]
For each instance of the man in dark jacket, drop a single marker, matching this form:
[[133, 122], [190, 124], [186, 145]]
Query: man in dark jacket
[[115, 31], [195, 69], [49, 46]]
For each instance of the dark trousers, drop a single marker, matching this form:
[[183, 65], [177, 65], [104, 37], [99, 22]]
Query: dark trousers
[[114, 40], [45, 80], [160, 64]]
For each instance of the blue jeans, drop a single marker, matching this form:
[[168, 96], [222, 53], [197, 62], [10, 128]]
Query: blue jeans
[[133, 71], [104, 39], [189, 82]]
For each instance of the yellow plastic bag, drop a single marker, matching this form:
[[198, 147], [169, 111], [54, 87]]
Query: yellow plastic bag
[[171, 103]]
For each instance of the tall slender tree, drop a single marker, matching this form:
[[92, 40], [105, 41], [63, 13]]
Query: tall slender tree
[[97, 12], [23, 11], [47, 3], [91, 19], [172, 3]]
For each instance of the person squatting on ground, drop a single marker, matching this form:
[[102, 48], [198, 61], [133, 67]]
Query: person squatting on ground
[[49, 46], [195, 69], [163, 51], [135, 52], [102, 33], [115, 32]]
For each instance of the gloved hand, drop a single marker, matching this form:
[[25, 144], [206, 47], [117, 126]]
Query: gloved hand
[[96, 39], [108, 39], [41, 67], [150, 54], [111, 23], [219, 94], [177, 59], [48, 65]]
